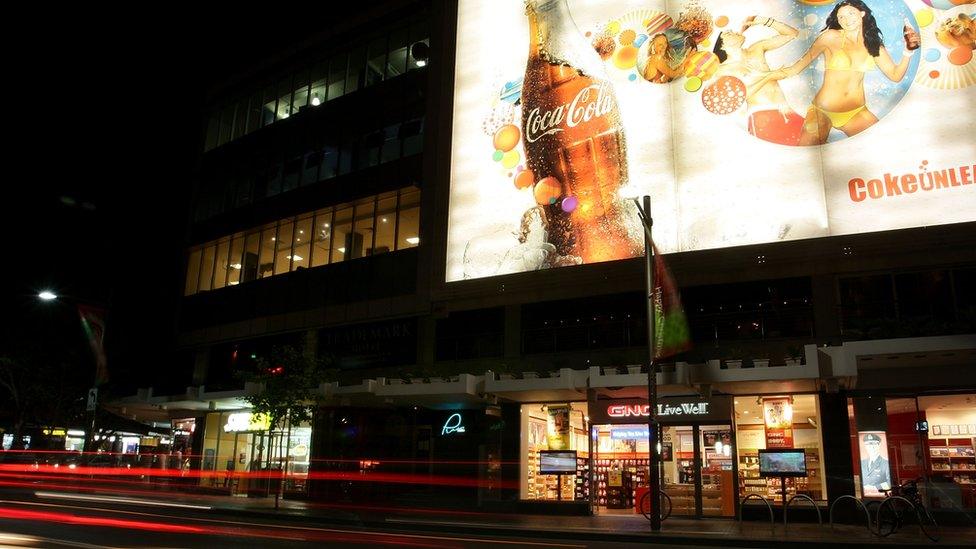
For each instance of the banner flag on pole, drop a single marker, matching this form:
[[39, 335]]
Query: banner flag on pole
[[671, 333], [93, 321]]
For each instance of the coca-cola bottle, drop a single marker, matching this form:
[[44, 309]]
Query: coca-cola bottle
[[572, 132], [912, 40]]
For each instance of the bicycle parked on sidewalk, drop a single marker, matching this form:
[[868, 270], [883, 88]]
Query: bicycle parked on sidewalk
[[896, 510], [645, 505]]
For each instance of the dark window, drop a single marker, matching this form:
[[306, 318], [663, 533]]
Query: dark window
[[471, 334], [758, 310], [592, 323], [865, 303]]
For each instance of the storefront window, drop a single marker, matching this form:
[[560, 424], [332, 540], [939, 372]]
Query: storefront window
[[779, 421], [548, 428], [951, 456]]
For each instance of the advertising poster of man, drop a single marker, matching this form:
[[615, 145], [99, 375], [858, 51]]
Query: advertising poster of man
[[875, 469], [746, 122]]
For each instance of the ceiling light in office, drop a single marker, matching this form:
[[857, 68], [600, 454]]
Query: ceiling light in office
[[296, 257], [236, 266], [341, 250], [413, 240], [315, 100]]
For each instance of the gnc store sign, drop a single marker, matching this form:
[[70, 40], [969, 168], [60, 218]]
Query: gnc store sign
[[644, 410], [668, 410]]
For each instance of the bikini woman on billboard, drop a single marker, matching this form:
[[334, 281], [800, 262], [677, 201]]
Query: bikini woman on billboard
[[852, 45]]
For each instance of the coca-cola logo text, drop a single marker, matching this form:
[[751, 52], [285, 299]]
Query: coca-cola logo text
[[643, 410], [581, 109]]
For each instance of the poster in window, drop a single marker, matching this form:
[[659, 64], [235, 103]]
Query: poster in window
[[667, 451], [875, 468], [558, 427], [936, 429], [953, 429], [778, 422]]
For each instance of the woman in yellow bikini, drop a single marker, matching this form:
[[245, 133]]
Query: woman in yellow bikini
[[851, 44]]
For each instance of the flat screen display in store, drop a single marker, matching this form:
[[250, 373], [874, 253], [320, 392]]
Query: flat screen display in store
[[782, 462], [647, 98], [557, 462]]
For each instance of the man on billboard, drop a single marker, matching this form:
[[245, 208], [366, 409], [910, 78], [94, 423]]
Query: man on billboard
[[770, 116], [875, 473]]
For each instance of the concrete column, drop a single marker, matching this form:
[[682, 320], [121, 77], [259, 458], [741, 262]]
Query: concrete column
[[513, 331], [826, 313]]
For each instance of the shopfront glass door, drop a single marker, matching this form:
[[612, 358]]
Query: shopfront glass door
[[678, 468], [697, 470], [715, 462]]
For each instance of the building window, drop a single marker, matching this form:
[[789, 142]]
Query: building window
[[207, 267], [779, 421], [330, 235], [408, 222], [234, 261], [283, 243], [301, 255], [192, 272], [266, 262], [384, 57], [341, 232], [323, 237], [386, 219]]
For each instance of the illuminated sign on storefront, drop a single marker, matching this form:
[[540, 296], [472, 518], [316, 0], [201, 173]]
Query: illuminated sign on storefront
[[629, 434], [452, 425], [643, 410], [670, 409], [651, 101], [243, 422]]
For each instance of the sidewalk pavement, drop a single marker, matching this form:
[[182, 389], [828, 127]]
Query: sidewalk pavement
[[606, 527]]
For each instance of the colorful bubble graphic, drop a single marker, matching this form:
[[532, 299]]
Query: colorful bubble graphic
[[497, 156], [725, 96], [506, 137], [693, 84], [721, 21], [511, 159], [569, 203], [627, 37], [932, 55], [960, 56], [946, 4], [924, 17], [658, 23], [625, 57], [702, 64], [524, 179], [547, 191]]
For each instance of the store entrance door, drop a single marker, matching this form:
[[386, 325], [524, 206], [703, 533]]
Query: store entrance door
[[698, 470]]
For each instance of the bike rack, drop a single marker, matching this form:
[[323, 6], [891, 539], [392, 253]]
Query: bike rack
[[860, 503], [772, 521], [786, 509]]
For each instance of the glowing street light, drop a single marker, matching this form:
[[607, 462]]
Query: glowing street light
[[47, 295]]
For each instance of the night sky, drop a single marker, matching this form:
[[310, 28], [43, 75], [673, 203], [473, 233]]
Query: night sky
[[108, 116]]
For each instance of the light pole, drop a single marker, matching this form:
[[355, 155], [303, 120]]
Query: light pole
[[92, 399], [653, 477]]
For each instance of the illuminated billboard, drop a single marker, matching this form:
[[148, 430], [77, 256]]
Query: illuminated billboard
[[746, 122]]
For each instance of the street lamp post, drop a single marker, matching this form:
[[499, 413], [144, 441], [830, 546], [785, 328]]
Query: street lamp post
[[92, 398], [653, 480]]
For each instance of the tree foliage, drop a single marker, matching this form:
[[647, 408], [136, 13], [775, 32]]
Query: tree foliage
[[290, 381], [41, 386]]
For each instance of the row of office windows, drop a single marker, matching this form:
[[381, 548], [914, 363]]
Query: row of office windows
[[385, 57], [378, 224], [317, 159]]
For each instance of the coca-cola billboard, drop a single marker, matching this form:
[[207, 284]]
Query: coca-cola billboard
[[746, 122]]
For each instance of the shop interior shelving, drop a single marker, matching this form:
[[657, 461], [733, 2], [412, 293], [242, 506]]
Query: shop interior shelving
[[955, 457]]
